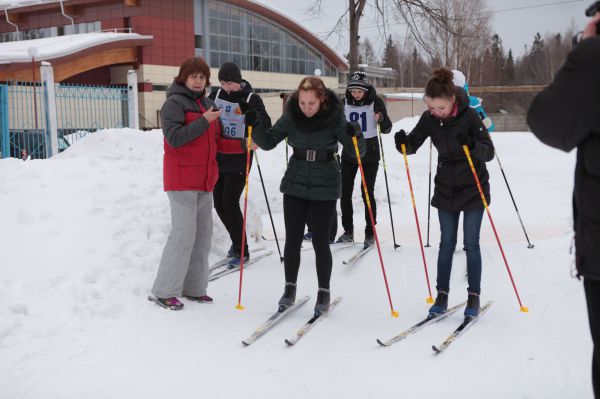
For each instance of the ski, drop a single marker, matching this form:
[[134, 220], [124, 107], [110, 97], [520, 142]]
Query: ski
[[359, 254], [430, 319], [225, 260], [464, 326], [311, 323], [271, 321], [227, 271], [340, 245]]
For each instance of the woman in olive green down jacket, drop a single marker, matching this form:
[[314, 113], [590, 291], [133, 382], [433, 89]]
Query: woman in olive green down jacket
[[314, 123]]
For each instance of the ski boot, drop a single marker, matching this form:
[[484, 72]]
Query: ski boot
[[348, 236], [323, 299], [473, 308], [369, 240], [236, 260], [289, 296], [440, 305], [231, 252]]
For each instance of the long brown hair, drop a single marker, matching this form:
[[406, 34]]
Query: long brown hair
[[191, 66], [440, 84]]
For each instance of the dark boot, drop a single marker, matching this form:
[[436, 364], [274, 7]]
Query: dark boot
[[473, 308], [348, 236], [289, 296], [323, 300], [440, 305]]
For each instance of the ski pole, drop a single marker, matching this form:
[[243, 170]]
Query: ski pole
[[429, 193], [530, 245], [262, 182], [364, 184], [468, 154], [248, 149], [412, 197], [386, 184]]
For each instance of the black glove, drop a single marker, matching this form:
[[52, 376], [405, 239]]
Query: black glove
[[250, 117], [244, 106], [400, 138], [463, 139], [379, 117], [353, 129]]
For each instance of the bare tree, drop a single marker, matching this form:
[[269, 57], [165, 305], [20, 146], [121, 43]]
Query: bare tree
[[411, 12], [458, 33]]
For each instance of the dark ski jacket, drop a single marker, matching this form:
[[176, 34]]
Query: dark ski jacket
[[565, 115], [372, 144], [236, 163], [318, 181], [455, 187]]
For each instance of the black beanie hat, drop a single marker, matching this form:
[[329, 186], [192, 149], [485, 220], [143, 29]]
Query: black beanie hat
[[229, 72], [358, 80]]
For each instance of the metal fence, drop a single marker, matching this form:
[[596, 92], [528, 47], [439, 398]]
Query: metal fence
[[33, 114], [82, 109]]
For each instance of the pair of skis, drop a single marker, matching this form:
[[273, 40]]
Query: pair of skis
[[430, 319], [281, 313], [221, 268]]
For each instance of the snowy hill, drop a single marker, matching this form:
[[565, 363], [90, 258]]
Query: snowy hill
[[82, 235]]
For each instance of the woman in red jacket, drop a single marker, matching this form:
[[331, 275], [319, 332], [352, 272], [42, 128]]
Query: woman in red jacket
[[192, 136]]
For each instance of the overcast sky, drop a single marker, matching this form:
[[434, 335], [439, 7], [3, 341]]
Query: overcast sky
[[513, 21]]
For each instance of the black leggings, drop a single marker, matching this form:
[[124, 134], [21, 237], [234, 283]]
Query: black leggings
[[334, 224], [226, 197], [295, 211], [592, 295], [349, 171]]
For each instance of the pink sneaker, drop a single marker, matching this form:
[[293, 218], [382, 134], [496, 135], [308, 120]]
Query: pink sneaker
[[168, 303], [201, 299]]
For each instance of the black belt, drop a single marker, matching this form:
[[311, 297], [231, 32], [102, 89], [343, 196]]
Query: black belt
[[305, 154]]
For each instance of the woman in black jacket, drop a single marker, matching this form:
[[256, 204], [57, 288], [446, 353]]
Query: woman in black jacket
[[314, 124], [365, 107], [232, 167], [451, 123]]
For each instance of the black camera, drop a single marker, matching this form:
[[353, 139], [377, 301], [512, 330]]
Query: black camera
[[589, 12]]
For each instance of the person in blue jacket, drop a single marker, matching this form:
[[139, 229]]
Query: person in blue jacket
[[459, 80]]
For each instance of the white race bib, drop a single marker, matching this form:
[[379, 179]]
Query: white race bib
[[365, 116], [231, 117]]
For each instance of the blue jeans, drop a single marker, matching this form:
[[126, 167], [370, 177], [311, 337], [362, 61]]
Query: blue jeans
[[449, 227]]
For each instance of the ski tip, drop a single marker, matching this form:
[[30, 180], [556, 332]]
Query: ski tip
[[245, 343], [435, 349], [380, 342], [524, 309], [288, 342]]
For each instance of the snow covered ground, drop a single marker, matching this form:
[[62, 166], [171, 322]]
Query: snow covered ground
[[82, 234]]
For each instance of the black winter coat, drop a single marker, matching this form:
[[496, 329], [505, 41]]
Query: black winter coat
[[372, 144], [455, 187], [315, 181], [566, 115], [236, 163]]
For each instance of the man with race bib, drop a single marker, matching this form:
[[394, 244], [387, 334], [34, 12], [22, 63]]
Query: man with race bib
[[364, 106], [233, 98]]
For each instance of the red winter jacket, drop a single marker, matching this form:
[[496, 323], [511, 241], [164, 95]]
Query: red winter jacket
[[191, 143]]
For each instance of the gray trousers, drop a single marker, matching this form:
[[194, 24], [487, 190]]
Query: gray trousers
[[183, 268]]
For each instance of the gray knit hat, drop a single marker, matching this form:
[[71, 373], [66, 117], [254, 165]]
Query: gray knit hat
[[359, 80]]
